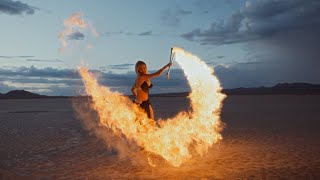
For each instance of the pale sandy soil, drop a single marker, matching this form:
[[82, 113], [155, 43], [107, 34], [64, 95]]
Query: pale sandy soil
[[266, 137]]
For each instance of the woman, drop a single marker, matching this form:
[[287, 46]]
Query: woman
[[142, 84]]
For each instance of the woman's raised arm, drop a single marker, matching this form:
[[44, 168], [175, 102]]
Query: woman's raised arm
[[158, 73]]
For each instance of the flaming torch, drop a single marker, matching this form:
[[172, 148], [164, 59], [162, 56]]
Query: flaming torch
[[171, 60]]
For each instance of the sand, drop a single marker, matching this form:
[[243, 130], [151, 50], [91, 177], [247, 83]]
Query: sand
[[266, 137]]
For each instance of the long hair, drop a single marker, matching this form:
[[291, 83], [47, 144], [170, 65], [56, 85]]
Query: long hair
[[138, 64]]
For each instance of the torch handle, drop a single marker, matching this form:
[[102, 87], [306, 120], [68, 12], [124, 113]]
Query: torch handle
[[171, 59]]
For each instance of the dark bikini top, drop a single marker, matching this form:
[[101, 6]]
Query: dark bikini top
[[145, 87]]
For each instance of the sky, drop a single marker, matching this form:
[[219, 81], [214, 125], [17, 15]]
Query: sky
[[249, 43]]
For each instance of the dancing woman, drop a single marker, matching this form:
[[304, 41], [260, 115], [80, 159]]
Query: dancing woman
[[142, 84]]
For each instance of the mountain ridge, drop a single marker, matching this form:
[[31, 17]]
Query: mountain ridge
[[278, 89]]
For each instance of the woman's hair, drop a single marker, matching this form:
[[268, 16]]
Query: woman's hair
[[138, 64]]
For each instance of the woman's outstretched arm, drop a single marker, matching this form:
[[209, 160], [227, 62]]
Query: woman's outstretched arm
[[158, 73]]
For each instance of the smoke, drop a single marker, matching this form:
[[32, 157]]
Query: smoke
[[118, 145], [75, 28]]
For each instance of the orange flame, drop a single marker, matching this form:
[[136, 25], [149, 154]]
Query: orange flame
[[173, 138]]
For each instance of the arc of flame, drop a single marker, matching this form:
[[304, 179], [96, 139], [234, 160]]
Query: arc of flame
[[173, 139]]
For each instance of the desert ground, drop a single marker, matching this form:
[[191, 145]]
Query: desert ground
[[265, 137]]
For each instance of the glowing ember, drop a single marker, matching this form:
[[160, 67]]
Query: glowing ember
[[173, 138]]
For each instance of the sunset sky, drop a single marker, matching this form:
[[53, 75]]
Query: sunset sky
[[249, 43]]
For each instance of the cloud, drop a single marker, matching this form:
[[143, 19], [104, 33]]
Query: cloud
[[16, 8], [245, 75], [147, 33], [76, 36], [282, 35], [54, 81], [259, 19], [210, 6], [33, 71], [6, 57], [44, 60], [47, 81], [10, 57], [172, 17], [24, 56], [121, 66], [30, 59], [124, 82], [255, 74]]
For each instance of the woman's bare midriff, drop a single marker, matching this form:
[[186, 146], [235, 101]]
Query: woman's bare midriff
[[141, 95]]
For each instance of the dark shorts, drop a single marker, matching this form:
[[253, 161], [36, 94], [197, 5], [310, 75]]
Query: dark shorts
[[145, 105]]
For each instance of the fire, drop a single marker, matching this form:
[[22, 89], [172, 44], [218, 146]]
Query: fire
[[173, 137]]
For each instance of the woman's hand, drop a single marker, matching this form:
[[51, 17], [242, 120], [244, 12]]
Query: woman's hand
[[158, 73]]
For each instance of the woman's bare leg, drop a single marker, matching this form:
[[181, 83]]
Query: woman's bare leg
[[151, 112]]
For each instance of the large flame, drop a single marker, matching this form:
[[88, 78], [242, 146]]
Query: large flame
[[172, 138]]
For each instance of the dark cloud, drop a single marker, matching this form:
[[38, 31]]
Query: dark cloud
[[42, 80], [120, 33], [281, 37], [255, 74], [147, 33], [191, 35], [15, 7], [25, 56], [6, 57], [33, 71], [44, 60], [124, 82], [76, 36], [260, 19], [183, 12], [121, 66], [30, 59], [10, 57], [173, 16], [235, 76], [209, 6], [53, 81], [47, 81], [248, 63]]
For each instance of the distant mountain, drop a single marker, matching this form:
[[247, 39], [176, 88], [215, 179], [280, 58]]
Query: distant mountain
[[179, 94], [20, 94], [281, 88]]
